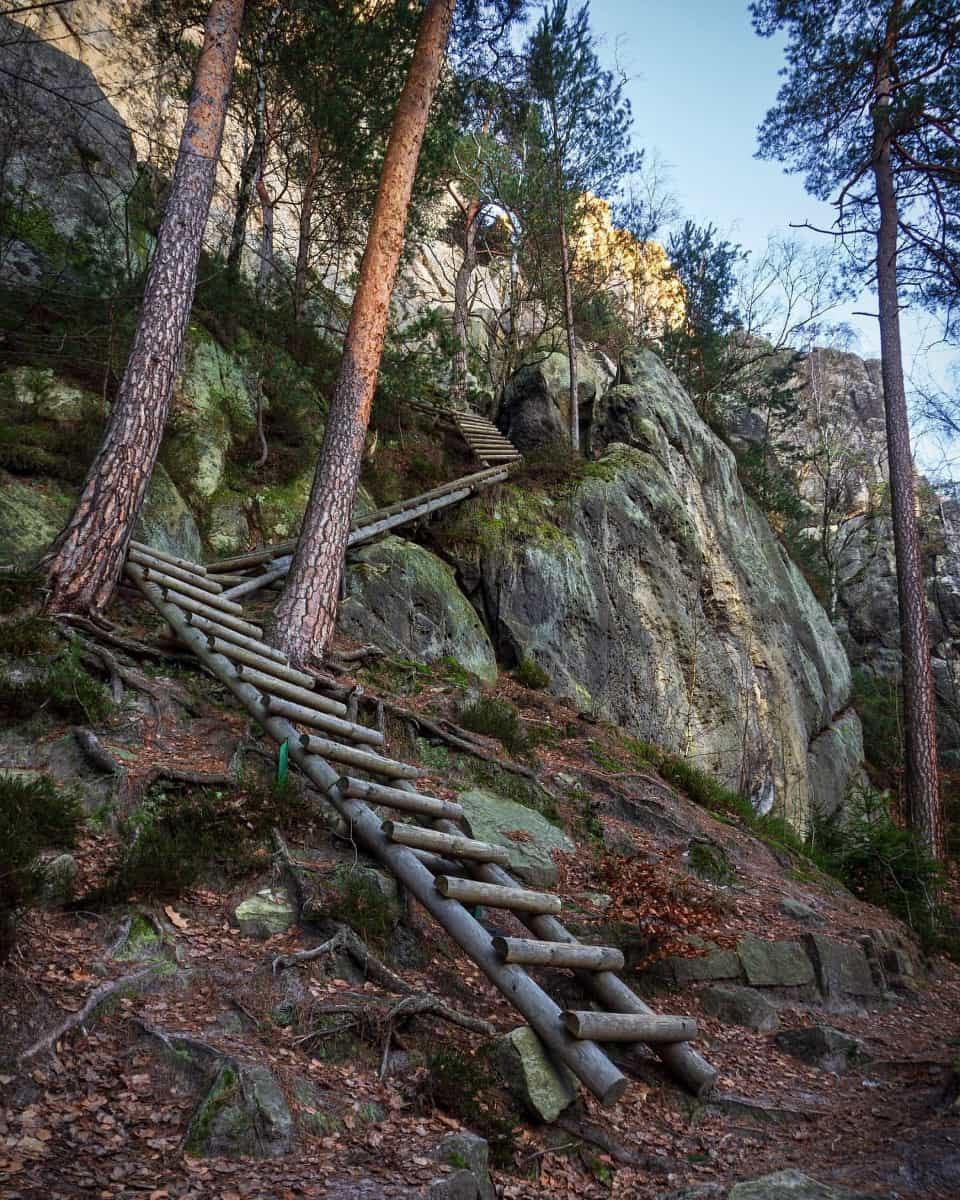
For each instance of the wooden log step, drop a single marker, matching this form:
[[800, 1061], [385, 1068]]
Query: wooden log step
[[148, 562], [243, 658], [558, 954], [363, 760], [266, 681], [379, 793], [629, 1027], [264, 579], [471, 891], [172, 584], [445, 843], [260, 648], [162, 556], [214, 615], [252, 558], [312, 714]]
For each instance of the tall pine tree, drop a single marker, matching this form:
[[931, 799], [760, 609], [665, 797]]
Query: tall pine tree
[[867, 112]]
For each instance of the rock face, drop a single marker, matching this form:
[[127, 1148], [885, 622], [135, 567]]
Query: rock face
[[405, 600], [655, 593], [535, 411]]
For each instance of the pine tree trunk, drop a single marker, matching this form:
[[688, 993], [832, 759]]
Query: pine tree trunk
[[923, 791], [461, 302], [249, 171], [88, 557], [568, 316], [305, 231], [265, 270], [305, 616]]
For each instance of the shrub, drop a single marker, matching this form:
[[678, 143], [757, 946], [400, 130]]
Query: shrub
[[27, 635], [496, 718], [35, 815], [529, 673], [882, 863], [63, 686]]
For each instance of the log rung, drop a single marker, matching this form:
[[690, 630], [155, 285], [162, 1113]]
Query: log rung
[[445, 843], [171, 584], [558, 954], [629, 1027], [150, 562], [258, 665], [313, 715], [266, 681], [376, 764], [379, 793], [227, 620], [260, 648], [471, 891], [184, 563]]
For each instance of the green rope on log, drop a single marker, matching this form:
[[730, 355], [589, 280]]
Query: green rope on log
[[283, 764]]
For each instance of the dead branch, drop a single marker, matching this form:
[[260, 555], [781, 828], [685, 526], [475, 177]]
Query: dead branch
[[97, 997]]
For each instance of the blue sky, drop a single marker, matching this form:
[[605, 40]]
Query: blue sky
[[700, 82]]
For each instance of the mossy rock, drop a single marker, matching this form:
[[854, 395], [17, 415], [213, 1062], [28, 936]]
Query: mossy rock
[[165, 521], [245, 1114], [32, 513], [267, 913], [528, 836]]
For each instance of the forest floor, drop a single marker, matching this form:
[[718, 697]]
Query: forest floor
[[101, 1116]]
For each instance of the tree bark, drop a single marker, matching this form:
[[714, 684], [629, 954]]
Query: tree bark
[[461, 301], [305, 231], [568, 314], [305, 616], [86, 562], [923, 791]]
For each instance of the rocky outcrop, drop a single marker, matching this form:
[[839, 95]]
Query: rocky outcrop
[[535, 410], [654, 592]]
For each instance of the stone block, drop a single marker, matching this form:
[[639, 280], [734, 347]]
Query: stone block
[[531, 1075], [741, 1006], [820, 1046], [774, 964], [842, 970]]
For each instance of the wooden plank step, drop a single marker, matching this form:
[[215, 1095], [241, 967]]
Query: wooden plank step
[[260, 648], [184, 563], [143, 559], [268, 682], [243, 658], [558, 954], [471, 891], [379, 793], [172, 584], [445, 843], [363, 760], [312, 714], [629, 1027]]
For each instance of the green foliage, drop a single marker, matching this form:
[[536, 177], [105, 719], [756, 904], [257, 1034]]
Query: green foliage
[[35, 815], [710, 862], [356, 899], [883, 863], [27, 635], [499, 719], [62, 687], [879, 704], [19, 589], [512, 787], [530, 674], [469, 1086]]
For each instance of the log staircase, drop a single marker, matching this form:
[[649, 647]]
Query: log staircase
[[448, 871]]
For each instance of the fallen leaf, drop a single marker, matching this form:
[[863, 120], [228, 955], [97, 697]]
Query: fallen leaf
[[175, 919]]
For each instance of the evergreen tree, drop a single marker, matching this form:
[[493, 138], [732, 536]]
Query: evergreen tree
[[86, 561], [585, 122], [867, 112]]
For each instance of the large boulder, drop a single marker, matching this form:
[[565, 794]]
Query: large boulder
[[774, 964], [820, 1046], [528, 836], [406, 601], [655, 595], [741, 1006], [535, 411], [842, 970], [32, 513]]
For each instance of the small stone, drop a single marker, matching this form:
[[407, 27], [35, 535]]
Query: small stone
[[266, 913], [798, 910], [471, 1155], [741, 1006], [532, 1077], [59, 875], [820, 1046]]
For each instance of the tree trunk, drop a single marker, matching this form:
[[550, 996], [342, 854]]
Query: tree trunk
[[248, 174], [923, 791], [305, 616], [568, 314], [306, 228], [87, 559], [265, 271], [461, 302]]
